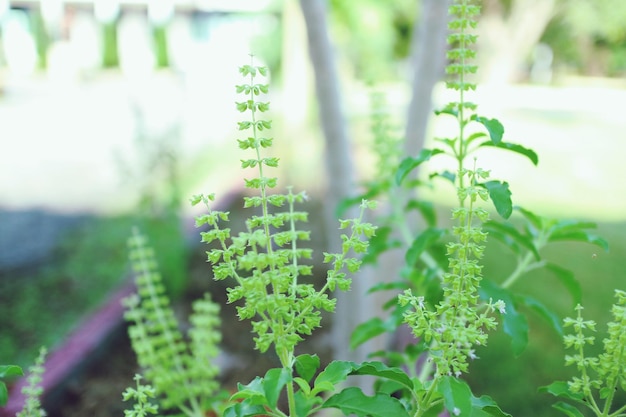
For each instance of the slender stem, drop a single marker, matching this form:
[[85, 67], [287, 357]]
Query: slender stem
[[522, 267], [426, 400], [525, 264], [609, 399], [291, 399]]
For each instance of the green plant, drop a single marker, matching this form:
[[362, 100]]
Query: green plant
[[451, 311], [599, 377], [181, 372], [7, 371], [141, 394], [33, 391], [266, 263]]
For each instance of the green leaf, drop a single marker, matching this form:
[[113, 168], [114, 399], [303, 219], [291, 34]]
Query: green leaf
[[381, 370], [10, 370], [4, 394], [368, 330], [426, 209], [307, 365], [346, 203], [421, 243], [7, 371], [568, 279], [253, 393], [273, 383], [353, 401], [449, 109], [387, 286], [550, 316], [447, 175], [335, 372], [409, 164], [504, 230], [529, 153], [534, 219], [304, 403], [561, 389], [244, 409], [487, 407], [501, 197], [514, 323], [474, 136], [568, 409], [580, 236], [493, 126], [457, 396]]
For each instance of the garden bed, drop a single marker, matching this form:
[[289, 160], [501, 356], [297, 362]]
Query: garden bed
[[87, 373]]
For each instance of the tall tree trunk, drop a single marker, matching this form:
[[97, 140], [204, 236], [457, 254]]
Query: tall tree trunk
[[428, 56], [339, 167], [507, 37]]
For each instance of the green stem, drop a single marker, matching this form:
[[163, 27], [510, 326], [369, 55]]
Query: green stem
[[522, 267], [525, 264], [294, 248], [425, 404], [609, 400], [291, 399]]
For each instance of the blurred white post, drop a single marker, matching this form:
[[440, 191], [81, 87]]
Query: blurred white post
[[106, 11], [18, 43], [160, 12]]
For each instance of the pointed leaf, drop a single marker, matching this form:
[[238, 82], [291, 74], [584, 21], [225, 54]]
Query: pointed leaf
[[550, 316], [487, 407], [449, 109], [529, 153], [273, 383], [510, 231], [515, 324], [450, 176], [253, 393], [386, 286], [534, 219], [409, 164], [353, 401], [421, 243], [381, 370], [568, 280], [457, 396], [335, 372], [501, 197], [568, 409], [561, 389], [307, 365], [493, 126], [574, 230], [10, 370], [244, 409], [581, 236], [368, 330]]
